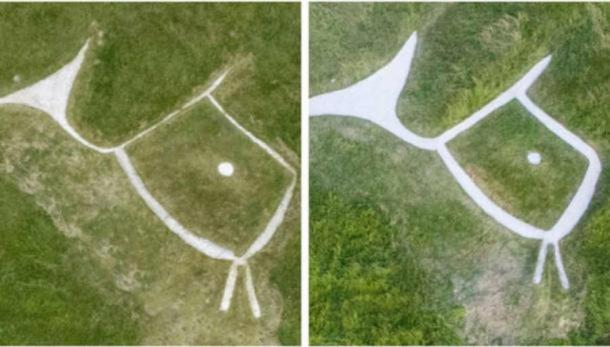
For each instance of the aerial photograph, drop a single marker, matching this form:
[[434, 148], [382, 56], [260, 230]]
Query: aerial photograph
[[459, 177], [149, 174]]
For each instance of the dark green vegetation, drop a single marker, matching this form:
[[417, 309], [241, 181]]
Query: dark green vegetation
[[145, 60], [43, 273], [286, 276], [477, 275], [494, 153], [179, 163], [360, 284]]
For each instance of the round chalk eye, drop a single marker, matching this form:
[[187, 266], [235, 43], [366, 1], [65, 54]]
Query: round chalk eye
[[226, 169], [534, 158]]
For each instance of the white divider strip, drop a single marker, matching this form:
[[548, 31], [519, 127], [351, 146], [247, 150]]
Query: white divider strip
[[254, 306], [227, 295], [540, 262], [209, 91], [559, 264]]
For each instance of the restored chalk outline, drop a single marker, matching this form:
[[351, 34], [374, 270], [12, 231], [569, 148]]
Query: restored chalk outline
[[375, 98], [51, 95]]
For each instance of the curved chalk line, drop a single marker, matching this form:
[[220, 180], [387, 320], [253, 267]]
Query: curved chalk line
[[375, 99], [51, 95]]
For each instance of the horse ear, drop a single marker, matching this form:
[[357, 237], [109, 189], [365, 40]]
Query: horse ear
[[51, 96], [375, 98], [379, 91]]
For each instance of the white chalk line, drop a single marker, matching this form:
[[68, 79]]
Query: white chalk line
[[375, 99], [229, 288], [544, 245], [51, 95], [256, 309]]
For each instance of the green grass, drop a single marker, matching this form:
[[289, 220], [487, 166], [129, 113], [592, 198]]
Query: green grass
[[46, 284], [494, 153], [597, 323], [179, 161], [286, 276], [364, 289], [479, 274], [150, 59]]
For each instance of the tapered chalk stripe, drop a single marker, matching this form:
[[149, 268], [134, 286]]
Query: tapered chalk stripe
[[137, 183], [227, 295], [256, 310], [556, 127], [541, 261], [559, 264]]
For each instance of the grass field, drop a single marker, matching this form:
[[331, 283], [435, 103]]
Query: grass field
[[109, 261], [400, 226]]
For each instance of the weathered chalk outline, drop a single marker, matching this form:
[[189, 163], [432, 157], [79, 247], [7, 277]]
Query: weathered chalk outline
[[375, 99], [51, 95]]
